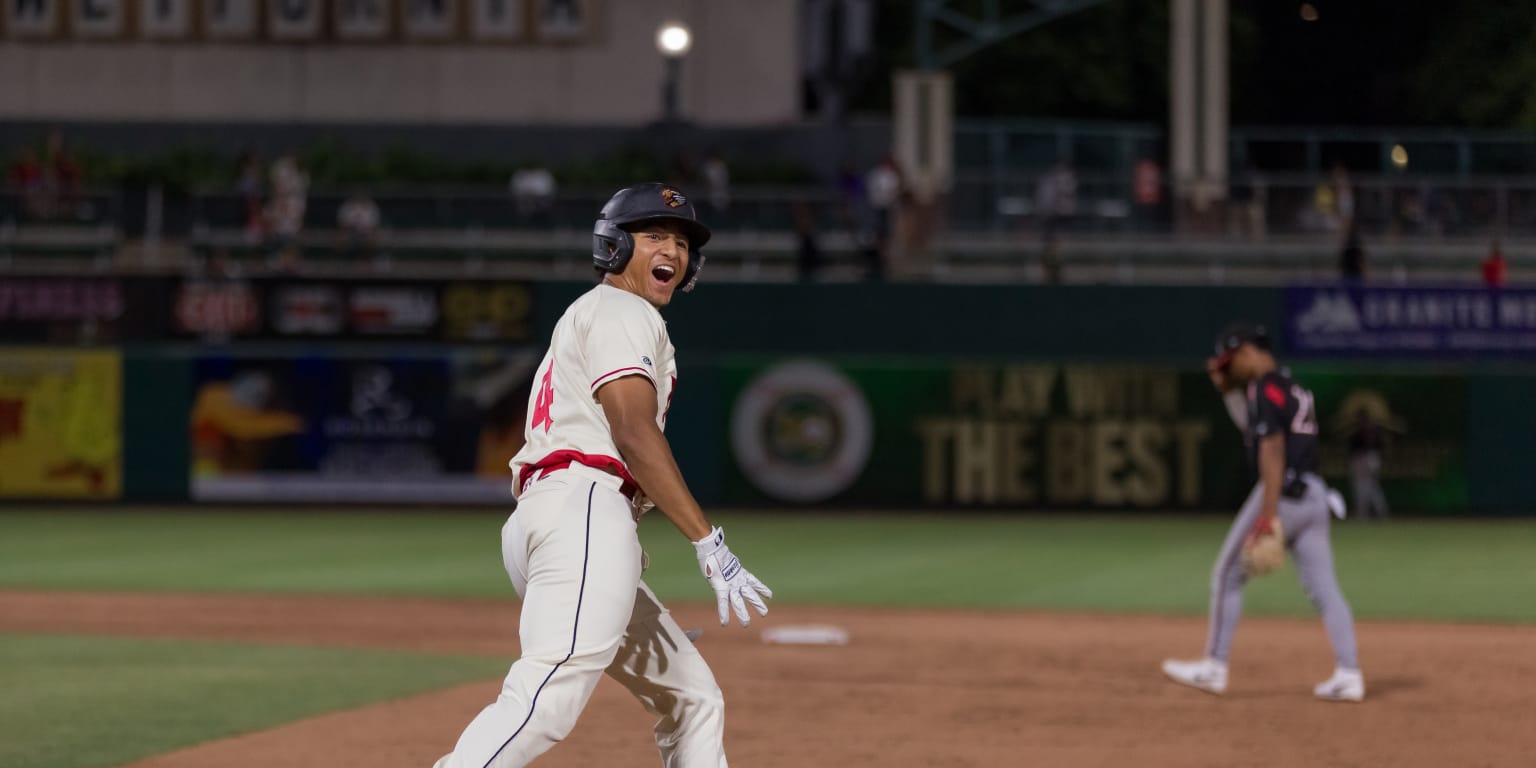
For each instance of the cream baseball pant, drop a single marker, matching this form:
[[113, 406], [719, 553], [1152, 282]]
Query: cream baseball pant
[[573, 555]]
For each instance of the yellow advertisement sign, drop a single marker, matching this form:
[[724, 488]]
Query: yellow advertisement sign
[[61, 423]]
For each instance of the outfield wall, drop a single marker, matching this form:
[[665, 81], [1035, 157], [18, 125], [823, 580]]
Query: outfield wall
[[886, 396]]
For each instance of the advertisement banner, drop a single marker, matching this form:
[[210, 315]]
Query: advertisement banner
[[936, 434], [217, 309], [1402, 321], [236, 308], [488, 311], [1051, 436], [60, 423], [436, 428], [62, 310]]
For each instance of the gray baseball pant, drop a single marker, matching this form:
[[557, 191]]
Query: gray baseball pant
[[1305, 522]]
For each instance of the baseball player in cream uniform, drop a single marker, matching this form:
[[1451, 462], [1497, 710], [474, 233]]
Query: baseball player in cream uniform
[[594, 461]]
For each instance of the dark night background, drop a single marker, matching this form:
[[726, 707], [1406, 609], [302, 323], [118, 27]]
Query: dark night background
[[1361, 62]]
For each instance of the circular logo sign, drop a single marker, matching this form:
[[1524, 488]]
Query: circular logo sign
[[801, 432]]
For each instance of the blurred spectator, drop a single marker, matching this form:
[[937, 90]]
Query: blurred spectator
[[1056, 202], [1343, 199], [805, 235], [1352, 258], [285, 212], [288, 178], [25, 176], [533, 193], [62, 178], [1246, 204], [1440, 213], [1333, 204], [1321, 215], [358, 219], [251, 189], [882, 189], [1495, 268], [1408, 213], [717, 181], [857, 218], [1366, 441], [851, 199], [1147, 190]]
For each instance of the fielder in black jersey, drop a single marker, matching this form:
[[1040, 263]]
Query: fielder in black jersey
[[1279, 423], [1279, 406]]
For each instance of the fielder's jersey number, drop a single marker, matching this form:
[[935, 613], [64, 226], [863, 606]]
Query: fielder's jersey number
[[1305, 420]]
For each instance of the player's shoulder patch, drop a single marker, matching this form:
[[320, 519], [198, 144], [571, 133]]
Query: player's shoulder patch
[[1274, 392]]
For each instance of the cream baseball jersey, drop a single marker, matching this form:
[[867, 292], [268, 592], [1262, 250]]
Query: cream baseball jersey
[[606, 334]]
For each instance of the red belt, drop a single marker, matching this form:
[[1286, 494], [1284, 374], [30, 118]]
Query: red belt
[[564, 459]]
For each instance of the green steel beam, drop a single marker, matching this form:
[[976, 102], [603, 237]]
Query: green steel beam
[[992, 26]]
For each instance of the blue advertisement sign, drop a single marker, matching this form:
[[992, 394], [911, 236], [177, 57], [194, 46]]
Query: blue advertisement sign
[[433, 428], [1410, 321]]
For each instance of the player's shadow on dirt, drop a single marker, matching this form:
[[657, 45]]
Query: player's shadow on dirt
[[1389, 686], [1375, 688]]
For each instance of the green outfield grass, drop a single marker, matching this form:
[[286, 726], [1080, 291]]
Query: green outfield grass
[[74, 702], [92, 702], [1407, 569]]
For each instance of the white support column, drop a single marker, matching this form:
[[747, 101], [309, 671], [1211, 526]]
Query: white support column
[[1214, 93], [923, 110], [1183, 168], [923, 107]]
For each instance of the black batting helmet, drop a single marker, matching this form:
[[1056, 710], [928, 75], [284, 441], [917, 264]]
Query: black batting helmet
[[1236, 335], [613, 245]]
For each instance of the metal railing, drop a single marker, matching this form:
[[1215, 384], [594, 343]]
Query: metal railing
[[1381, 205], [89, 207], [989, 227], [64, 227], [494, 208], [1393, 205], [1106, 146]]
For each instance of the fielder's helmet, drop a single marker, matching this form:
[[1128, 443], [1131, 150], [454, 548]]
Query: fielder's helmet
[[613, 245], [1236, 335]]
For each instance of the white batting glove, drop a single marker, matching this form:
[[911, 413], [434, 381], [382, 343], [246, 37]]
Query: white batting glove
[[732, 583]]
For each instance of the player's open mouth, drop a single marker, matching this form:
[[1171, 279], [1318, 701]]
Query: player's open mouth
[[663, 272]]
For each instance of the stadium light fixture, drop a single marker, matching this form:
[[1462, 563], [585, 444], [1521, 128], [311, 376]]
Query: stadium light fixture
[[673, 40]]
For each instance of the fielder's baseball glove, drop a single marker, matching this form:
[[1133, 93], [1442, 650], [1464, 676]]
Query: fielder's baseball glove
[[1264, 549]]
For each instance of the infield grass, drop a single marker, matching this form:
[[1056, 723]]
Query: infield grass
[[91, 702], [1441, 570]]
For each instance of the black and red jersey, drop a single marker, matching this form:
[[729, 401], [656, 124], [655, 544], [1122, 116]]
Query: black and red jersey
[[1278, 405]]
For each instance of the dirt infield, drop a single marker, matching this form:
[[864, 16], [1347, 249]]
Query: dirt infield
[[913, 688]]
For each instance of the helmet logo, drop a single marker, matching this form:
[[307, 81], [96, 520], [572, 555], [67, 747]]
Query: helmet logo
[[673, 198]]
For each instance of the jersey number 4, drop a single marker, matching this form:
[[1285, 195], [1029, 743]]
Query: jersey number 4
[[545, 399], [1305, 421]]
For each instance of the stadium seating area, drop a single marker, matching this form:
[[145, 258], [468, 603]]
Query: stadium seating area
[[996, 222]]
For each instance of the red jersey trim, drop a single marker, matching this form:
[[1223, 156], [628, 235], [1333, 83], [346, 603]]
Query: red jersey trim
[[609, 374], [564, 458]]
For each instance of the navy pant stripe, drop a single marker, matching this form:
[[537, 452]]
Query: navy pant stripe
[[585, 555]]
